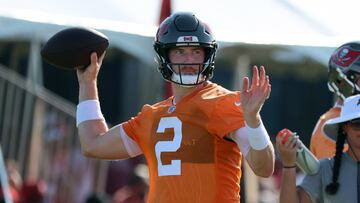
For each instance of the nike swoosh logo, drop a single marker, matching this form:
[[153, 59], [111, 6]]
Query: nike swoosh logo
[[237, 103]]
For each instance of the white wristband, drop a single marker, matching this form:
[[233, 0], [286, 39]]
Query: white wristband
[[258, 137], [88, 110]]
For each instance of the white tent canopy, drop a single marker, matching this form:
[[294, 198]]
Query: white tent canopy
[[131, 24]]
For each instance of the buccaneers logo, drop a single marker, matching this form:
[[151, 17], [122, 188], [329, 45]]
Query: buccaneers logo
[[345, 57]]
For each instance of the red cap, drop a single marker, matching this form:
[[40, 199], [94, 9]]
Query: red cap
[[284, 132]]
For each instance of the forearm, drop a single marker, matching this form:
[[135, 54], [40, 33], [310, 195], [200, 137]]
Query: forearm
[[261, 157], [89, 130], [255, 144], [88, 91], [288, 186], [262, 161]]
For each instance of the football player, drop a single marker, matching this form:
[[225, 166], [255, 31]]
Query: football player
[[343, 80], [193, 141]]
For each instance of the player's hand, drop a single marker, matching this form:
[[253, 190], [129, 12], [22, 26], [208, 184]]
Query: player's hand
[[287, 144], [253, 97], [89, 74]]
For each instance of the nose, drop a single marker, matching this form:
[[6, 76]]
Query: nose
[[190, 58]]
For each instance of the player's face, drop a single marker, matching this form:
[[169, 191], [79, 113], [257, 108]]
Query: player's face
[[190, 59], [352, 130]]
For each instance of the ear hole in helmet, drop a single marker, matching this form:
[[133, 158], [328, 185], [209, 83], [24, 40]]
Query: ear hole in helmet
[[208, 53]]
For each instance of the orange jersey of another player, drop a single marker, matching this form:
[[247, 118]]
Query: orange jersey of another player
[[189, 158], [320, 145]]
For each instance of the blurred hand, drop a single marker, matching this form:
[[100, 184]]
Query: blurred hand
[[253, 97], [89, 74]]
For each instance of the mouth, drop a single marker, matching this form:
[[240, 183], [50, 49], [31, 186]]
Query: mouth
[[188, 73], [188, 70]]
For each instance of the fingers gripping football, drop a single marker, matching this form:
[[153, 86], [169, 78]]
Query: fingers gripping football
[[90, 73]]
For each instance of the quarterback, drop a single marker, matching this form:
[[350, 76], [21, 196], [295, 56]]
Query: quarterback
[[193, 141]]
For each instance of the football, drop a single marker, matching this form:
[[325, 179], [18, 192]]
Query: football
[[71, 48]]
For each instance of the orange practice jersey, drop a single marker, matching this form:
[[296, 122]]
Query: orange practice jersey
[[189, 159], [320, 145]]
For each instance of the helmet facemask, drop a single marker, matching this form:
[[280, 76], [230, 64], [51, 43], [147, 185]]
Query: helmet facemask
[[342, 84], [185, 78], [174, 71]]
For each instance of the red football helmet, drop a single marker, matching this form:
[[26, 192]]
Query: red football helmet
[[344, 70]]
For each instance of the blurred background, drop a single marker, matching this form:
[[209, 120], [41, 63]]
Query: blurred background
[[292, 39]]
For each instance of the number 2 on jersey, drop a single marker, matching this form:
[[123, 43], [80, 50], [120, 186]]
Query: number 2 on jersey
[[174, 168]]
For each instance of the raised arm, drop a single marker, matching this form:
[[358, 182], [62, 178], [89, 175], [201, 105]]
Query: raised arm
[[96, 140], [261, 156]]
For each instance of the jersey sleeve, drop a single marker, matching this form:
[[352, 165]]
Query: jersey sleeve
[[320, 145], [227, 115], [131, 146], [242, 140], [137, 124]]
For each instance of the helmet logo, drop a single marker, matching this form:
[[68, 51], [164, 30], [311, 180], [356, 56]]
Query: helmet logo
[[187, 39], [342, 56], [346, 57], [171, 109]]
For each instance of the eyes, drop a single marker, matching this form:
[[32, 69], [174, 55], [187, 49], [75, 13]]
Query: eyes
[[193, 51], [354, 124], [187, 55]]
